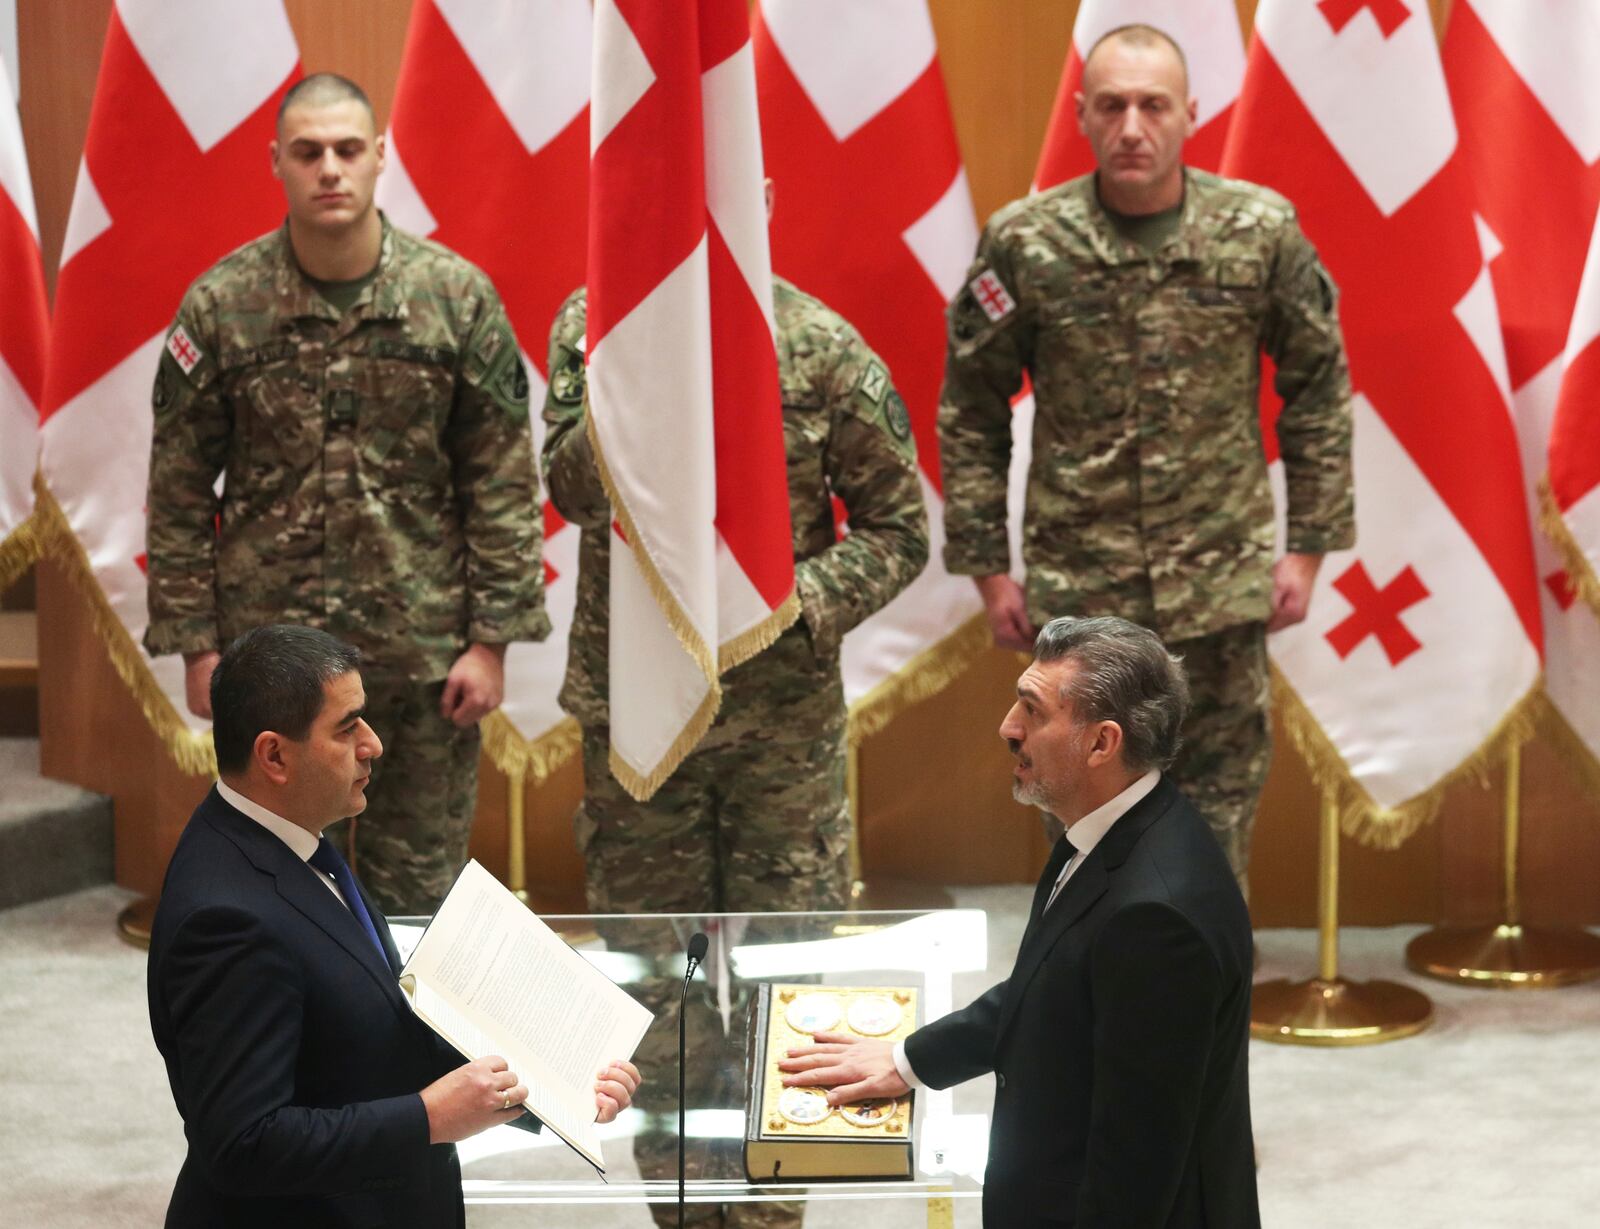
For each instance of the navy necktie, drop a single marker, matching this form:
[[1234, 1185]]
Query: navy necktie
[[328, 861]]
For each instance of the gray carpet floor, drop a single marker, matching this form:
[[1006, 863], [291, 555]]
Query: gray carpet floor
[[1489, 1120]]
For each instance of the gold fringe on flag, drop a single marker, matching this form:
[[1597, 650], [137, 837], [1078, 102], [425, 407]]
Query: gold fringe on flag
[[19, 552], [744, 646], [1580, 572], [1360, 817], [193, 753], [1554, 729], [534, 759], [925, 675]]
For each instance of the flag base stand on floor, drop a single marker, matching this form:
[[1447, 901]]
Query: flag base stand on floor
[[134, 922], [1336, 1012], [1506, 957], [1509, 956], [1328, 1010], [899, 895]]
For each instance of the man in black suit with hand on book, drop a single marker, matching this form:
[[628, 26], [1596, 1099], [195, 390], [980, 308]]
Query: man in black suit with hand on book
[[311, 1094], [1118, 1043]]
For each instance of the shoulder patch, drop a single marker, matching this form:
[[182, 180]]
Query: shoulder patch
[[183, 349], [992, 296], [162, 394], [567, 376], [898, 418], [874, 382], [513, 382]]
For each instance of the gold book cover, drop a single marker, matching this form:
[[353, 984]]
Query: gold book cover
[[793, 1133]]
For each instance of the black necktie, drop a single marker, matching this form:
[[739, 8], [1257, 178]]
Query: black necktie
[[328, 861]]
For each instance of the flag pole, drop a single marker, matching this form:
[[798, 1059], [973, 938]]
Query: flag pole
[[1329, 1010], [516, 835], [1509, 955]]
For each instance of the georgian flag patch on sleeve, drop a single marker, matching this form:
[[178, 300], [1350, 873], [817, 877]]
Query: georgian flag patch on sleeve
[[992, 296], [183, 350]]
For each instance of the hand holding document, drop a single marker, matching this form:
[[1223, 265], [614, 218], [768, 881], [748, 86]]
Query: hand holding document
[[491, 978]]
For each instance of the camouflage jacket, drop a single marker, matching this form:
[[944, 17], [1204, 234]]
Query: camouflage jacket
[[846, 433], [378, 476], [1147, 492]]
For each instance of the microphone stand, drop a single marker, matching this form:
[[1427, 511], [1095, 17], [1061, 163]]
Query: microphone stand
[[697, 952]]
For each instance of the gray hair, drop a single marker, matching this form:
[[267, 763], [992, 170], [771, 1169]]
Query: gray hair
[[1126, 675], [271, 678]]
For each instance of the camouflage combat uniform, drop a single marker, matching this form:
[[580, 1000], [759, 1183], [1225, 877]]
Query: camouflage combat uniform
[[378, 482], [1147, 491], [755, 818]]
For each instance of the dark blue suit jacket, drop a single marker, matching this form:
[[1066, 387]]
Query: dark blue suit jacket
[[293, 1055], [1119, 1041]]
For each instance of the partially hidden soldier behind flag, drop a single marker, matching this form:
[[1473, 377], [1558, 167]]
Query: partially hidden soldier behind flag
[[361, 395], [1139, 299], [756, 818]]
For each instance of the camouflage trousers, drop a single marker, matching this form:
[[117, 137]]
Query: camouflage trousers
[[411, 841], [1227, 739], [754, 820]]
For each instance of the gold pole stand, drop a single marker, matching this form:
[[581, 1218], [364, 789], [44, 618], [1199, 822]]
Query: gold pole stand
[[134, 922], [1509, 956], [1328, 1010], [516, 836]]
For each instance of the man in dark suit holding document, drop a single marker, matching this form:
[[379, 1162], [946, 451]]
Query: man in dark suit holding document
[[1118, 1043], [311, 1094]]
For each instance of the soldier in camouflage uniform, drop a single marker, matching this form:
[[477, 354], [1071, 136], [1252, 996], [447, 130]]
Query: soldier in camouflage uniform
[[361, 394], [1139, 300], [756, 818]]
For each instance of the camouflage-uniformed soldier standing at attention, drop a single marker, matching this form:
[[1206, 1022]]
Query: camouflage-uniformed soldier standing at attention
[[1139, 300], [360, 392], [756, 818]]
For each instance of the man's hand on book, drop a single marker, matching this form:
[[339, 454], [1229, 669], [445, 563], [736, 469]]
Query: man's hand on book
[[613, 1092], [472, 1098], [853, 1068]]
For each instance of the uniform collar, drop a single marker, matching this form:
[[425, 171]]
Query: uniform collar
[[1184, 244], [383, 299]]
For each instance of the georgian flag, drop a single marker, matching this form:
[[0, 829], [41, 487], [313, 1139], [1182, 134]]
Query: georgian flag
[[1574, 479], [1208, 32], [1423, 642], [684, 407], [24, 330], [1521, 75], [873, 215], [174, 176], [501, 176]]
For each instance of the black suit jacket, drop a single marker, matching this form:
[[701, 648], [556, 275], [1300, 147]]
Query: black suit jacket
[[1119, 1041], [293, 1055]]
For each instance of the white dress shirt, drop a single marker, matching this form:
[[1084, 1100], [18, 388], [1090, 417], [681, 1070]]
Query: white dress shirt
[[300, 842], [1083, 836]]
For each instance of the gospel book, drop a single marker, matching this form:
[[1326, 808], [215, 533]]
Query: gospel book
[[491, 978], [793, 1133]]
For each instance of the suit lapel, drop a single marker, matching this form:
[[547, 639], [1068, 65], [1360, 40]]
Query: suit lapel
[[1087, 885], [297, 885]]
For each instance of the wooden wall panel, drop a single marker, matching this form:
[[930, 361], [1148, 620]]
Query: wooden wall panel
[[934, 785]]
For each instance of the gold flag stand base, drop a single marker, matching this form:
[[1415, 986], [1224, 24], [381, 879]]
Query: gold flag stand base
[[1509, 956], [1328, 1010], [134, 922], [1506, 957], [1337, 1012]]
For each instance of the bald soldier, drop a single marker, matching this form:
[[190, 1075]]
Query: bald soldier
[[1139, 300], [360, 394]]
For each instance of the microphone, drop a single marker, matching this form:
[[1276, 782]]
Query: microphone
[[698, 944]]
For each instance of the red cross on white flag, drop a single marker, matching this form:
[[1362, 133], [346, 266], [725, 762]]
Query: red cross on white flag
[[501, 176], [174, 176], [684, 409], [1346, 113], [24, 326], [1521, 75], [874, 216]]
